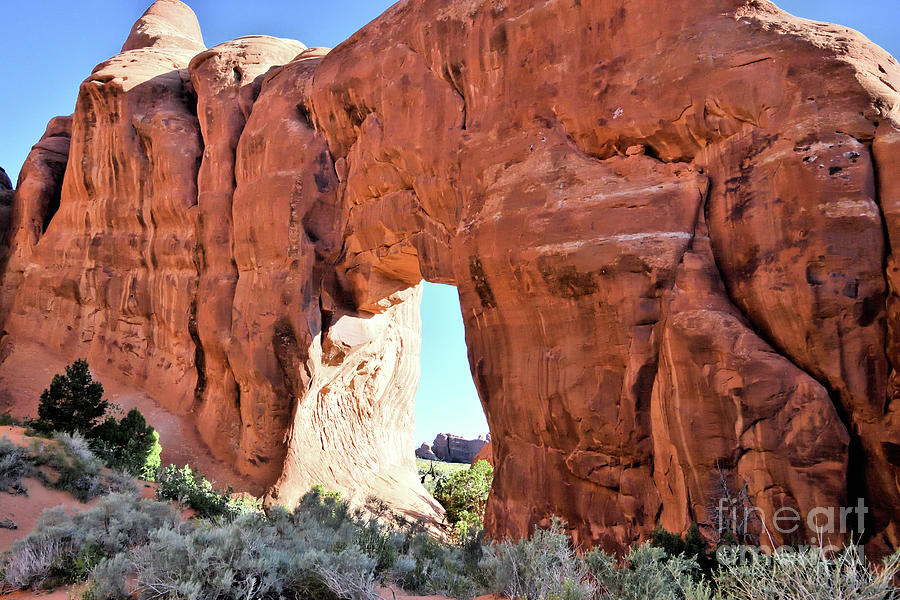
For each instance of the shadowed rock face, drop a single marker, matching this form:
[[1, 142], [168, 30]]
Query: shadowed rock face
[[671, 225], [36, 202]]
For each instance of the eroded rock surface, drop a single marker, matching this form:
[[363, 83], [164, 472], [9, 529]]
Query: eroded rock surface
[[36, 202], [486, 453], [672, 226]]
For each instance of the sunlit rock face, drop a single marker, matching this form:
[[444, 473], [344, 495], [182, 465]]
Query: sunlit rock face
[[671, 225]]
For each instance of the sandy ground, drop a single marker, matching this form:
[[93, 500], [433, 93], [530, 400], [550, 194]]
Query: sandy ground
[[29, 368], [24, 509]]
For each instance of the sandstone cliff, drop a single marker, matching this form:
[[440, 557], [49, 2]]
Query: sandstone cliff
[[671, 225], [453, 448]]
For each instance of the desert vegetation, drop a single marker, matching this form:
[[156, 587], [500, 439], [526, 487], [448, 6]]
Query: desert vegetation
[[461, 489], [127, 547], [64, 462], [74, 405], [193, 490]]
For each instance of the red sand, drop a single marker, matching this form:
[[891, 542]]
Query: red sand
[[29, 368], [23, 509]]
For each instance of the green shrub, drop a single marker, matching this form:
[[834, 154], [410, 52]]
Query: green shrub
[[73, 402], [181, 484], [464, 494], [309, 553], [693, 546], [6, 420], [265, 561], [542, 567], [320, 550], [649, 573], [431, 567], [129, 445]]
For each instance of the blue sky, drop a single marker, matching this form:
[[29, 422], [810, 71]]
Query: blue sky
[[49, 46]]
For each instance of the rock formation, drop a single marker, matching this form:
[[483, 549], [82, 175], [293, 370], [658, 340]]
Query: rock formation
[[424, 451], [37, 200], [453, 448], [672, 226]]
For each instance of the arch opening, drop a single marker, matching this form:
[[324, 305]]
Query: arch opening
[[446, 399]]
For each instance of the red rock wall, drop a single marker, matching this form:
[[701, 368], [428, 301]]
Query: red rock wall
[[37, 200], [227, 81], [116, 276], [671, 225]]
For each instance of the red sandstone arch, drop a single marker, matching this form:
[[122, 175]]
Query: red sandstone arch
[[670, 224]]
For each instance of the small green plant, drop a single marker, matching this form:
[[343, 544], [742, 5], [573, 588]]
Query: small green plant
[[693, 546], [6, 420], [75, 468], [181, 484], [129, 445], [320, 489], [464, 494]]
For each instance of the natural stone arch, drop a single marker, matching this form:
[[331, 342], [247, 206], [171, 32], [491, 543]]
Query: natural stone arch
[[570, 195], [616, 191]]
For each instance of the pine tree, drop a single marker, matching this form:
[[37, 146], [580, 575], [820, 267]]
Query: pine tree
[[73, 402]]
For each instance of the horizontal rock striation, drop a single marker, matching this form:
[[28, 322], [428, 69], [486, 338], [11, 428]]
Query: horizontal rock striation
[[671, 224]]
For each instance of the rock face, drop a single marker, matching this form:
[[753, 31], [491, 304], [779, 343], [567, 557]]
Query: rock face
[[453, 448], [486, 453], [672, 226], [37, 200]]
